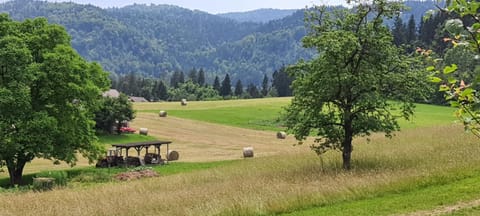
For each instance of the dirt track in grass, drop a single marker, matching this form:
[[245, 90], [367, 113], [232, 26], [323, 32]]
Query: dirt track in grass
[[445, 210], [200, 141]]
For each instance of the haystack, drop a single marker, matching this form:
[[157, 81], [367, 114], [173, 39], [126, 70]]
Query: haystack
[[144, 131], [172, 155], [281, 135], [162, 113], [43, 184], [248, 152], [184, 102]]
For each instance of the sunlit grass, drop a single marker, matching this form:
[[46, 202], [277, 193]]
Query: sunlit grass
[[430, 164], [415, 164], [258, 114]]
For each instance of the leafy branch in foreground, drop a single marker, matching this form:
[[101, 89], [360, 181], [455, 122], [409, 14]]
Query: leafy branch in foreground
[[461, 92]]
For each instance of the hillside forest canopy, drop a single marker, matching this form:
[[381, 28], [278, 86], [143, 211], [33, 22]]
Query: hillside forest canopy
[[155, 41]]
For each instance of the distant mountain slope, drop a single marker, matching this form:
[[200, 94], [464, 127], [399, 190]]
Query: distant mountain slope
[[156, 40], [418, 9], [259, 16]]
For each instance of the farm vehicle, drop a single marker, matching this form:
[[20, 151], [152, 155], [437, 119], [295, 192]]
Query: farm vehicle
[[112, 159]]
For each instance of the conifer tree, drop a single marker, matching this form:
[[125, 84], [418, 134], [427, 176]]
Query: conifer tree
[[226, 89], [238, 88]]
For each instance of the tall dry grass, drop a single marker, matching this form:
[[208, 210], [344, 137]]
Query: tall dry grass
[[281, 183]]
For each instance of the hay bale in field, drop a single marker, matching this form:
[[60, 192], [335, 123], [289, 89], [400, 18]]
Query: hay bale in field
[[184, 102], [43, 184], [143, 131], [172, 155], [162, 113], [248, 152], [281, 135]]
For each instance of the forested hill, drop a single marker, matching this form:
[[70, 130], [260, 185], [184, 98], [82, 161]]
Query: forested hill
[[258, 16], [156, 40]]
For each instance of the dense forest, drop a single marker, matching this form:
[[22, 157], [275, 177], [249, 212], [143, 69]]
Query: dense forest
[[157, 40], [259, 16]]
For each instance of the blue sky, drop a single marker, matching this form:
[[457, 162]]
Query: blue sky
[[214, 6]]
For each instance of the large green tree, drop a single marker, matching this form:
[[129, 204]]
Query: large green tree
[[192, 92], [113, 112], [350, 89], [48, 94]]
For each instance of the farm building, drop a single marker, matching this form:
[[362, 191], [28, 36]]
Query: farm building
[[113, 93], [137, 99]]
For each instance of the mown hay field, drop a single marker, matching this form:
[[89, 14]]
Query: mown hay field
[[282, 178]]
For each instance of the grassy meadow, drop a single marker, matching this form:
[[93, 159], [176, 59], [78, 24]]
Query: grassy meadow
[[431, 167], [264, 114]]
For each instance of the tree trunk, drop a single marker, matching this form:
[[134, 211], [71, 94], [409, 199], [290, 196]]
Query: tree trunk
[[119, 126], [347, 145], [346, 154], [15, 171]]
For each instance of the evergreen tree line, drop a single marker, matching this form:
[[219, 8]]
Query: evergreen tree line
[[428, 34], [193, 86]]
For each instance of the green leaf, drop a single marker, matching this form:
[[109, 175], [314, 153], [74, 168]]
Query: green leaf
[[475, 27], [450, 69], [452, 80], [444, 88], [454, 104], [431, 68], [434, 79], [454, 26], [467, 92]]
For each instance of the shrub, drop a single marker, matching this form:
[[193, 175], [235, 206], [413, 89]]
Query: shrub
[[92, 177]]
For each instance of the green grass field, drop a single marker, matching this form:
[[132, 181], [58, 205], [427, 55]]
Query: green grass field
[[407, 198], [123, 138], [257, 114], [265, 114]]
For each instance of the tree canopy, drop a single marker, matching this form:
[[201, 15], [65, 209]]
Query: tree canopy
[[113, 112], [48, 95], [357, 79]]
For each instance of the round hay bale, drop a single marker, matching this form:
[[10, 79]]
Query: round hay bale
[[144, 131], [184, 102], [281, 135], [162, 113], [43, 184], [172, 155], [248, 152]]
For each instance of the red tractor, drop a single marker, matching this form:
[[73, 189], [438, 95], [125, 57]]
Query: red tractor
[[127, 130]]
